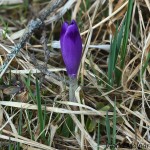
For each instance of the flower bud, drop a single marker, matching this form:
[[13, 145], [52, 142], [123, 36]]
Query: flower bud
[[71, 47]]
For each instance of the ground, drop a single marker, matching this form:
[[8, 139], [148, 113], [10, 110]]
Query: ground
[[112, 96]]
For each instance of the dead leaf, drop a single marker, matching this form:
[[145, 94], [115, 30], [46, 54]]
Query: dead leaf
[[11, 90], [111, 28], [23, 96], [118, 5], [120, 13]]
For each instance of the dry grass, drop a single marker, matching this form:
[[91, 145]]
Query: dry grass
[[65, 128]]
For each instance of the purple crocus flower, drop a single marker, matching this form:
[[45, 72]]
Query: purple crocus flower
[[71, 47]]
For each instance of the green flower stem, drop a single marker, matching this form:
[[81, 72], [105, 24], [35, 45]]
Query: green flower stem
[[73, 84]]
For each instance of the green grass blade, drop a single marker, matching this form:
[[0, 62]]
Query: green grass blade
[[19, 128], [20, 123], [113, 72], [108, 129], [29, 117], [68, 127], [114, 126], [28, 86], [126, 34], [119, 42], [10, 146], [98, 136], [111, 63], [38, 100]]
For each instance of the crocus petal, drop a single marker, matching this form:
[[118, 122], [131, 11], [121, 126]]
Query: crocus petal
[[71, 45], [63, 31]]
